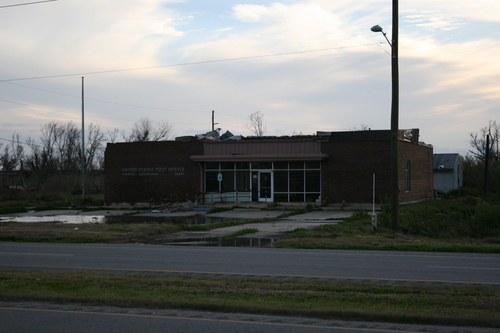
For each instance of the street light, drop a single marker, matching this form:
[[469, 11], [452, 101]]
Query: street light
[[394, 113], [378, 28]]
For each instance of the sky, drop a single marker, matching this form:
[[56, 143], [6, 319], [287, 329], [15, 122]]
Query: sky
[[307, 66]]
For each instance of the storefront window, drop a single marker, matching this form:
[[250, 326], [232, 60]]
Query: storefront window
[[227, 165], [281, 181], [293, 181], [262, 165], [243, 181], [242, 165], [280, 165], [227, 181], [296, 181], [297, 165], [212, 185], [313, 181], [212, 166], [313, 165]]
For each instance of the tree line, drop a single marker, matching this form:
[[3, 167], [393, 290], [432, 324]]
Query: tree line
[[58, 151]]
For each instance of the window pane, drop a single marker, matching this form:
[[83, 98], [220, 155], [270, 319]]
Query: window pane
[[296, 165], [296, 197], [243, 165], [212, 166], [212, 183], [227, 181], [296, 181], [262, 165], [227, 165], [280, 181], [243, 181], [313, 181], [280, 197], [313, 165], [312, 197], [281, 165]]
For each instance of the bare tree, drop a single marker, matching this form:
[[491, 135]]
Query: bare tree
[[146, 130], [113, 135], [478, 142], [61, 149], [13, 154], [255, 123], [94, 149], [362, 127]]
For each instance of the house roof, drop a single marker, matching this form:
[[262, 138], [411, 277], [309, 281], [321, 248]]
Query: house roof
[[445, 161]]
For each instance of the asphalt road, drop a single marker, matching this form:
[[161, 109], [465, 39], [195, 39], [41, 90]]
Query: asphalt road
[[373, 266], [41, 317]]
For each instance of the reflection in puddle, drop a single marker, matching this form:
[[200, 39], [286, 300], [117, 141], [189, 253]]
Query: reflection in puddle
[[67, 219], [232, 242]]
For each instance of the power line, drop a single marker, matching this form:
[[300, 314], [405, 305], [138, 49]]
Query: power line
[[27, 3], [23, 143], [182, 64]]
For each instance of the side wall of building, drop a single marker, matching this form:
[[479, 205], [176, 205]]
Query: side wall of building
[[152, 171], [347, 175], [421, 186]]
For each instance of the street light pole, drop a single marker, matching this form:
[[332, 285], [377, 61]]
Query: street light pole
[[83, 141], [394, 113], [395, 117]]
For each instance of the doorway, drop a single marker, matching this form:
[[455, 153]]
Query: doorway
[[265, 186]]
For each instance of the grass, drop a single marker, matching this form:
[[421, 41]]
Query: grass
[[356, 235], [241, 232], [456, 225], [85, 233], [444, 305], [423, 229]]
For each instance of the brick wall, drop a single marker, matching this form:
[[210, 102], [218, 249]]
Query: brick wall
[[145, 171], [347, 175], [421, 171]]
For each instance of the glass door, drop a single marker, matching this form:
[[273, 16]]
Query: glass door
[[265, 186]]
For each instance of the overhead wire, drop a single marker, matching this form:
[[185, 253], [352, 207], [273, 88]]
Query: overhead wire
[[181, 64], [26, 3], [11, 81]]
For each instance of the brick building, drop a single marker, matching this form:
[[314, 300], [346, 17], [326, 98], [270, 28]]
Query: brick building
[[327, 168]]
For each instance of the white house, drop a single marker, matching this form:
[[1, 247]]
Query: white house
[[448, 172]]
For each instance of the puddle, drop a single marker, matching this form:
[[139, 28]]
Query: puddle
[[67, 219], [82, 219], [221, 242]]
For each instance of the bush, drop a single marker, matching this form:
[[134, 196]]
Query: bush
[[468, 216]]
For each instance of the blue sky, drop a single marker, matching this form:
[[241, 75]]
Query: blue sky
[[306, 65]]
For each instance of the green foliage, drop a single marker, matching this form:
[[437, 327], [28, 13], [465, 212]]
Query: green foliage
[[463, 192], [465, 216], [208, 227]]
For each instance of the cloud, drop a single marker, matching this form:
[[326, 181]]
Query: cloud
[[448, 67]]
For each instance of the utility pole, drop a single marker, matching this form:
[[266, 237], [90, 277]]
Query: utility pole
[[83, 142], [395, 118]]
